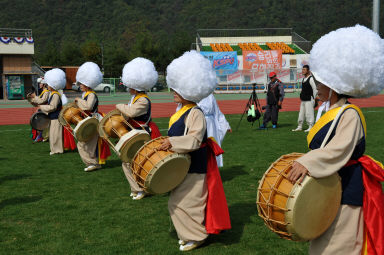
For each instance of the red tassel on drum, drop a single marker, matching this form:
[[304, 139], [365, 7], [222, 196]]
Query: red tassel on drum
[[217, 213]]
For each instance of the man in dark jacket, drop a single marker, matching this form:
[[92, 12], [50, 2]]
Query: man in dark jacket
[[275, 96]]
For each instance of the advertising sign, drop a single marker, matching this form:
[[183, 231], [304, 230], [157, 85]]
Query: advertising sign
[[262, 60], [223, 62]]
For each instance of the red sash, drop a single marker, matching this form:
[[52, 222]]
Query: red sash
[[216, 213], [103, 150], [69, 141], [155, 132], [373, 204]]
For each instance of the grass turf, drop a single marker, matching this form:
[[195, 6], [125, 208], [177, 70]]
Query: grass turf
[[49, 205]]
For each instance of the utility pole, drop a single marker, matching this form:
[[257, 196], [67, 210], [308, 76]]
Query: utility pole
[[102, 57], [376, 16]]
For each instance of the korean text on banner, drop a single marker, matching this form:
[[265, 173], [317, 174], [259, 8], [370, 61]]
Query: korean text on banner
[[262, 60], [222, 62]]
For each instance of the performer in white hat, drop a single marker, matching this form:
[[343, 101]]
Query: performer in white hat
[[217, 125], [194, 210], [59, 139], [139, 75], [37, 136], [347, 63], [95, 151]]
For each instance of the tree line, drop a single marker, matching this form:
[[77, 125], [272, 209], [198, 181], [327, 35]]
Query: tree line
[[69, 32]]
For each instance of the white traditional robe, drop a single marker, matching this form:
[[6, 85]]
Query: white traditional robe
[[217, 125]]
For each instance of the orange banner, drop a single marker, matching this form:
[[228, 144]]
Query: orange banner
[[262, 60]]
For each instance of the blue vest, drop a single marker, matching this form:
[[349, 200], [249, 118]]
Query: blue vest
[[96, 105], [351, 176], [147, 116], [55, 115], [199, 159]]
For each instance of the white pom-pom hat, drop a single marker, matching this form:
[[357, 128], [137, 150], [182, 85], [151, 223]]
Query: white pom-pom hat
[[191, 76], [55, 78], [139, 74], [350, 61], [89, 74]]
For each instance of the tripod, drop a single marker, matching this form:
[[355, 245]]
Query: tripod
[[253, 101]]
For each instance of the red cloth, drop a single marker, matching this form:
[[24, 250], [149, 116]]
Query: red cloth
[[69, 141], [155, 132], [34, 133], [105, 152], [216, 213], [373, 204]]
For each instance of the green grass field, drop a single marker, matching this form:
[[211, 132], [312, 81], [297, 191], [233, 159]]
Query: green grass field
[[49, 205]]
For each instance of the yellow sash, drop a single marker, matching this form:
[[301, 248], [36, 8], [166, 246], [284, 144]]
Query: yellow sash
[[55, 92], [176, 116], [43, 92], [139, 96], [89, 92], [330, 116]]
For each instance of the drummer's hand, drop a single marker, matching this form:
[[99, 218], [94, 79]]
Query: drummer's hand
[[297, 173], [77, 99], [166, 145]]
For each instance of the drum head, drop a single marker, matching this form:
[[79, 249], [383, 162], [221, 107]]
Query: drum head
[[61, 119], [130, 143], [86, 129], [169, 174], [40, 121], [313, 207]]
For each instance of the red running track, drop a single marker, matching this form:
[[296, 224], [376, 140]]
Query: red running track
[[12, 116]]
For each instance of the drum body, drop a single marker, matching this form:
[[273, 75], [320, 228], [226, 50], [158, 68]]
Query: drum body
[[85, 127], [298, 212], [40, 121], [158, 171], [130, 140]]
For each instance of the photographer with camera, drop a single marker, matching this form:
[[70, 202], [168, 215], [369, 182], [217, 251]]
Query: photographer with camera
[[275, 96]]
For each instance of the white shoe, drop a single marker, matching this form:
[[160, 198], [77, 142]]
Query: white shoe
[[307, 130], [51, 153], [132, 194], [139, 195], [92, 168], [297, 129], [190, 245], [182, 242]]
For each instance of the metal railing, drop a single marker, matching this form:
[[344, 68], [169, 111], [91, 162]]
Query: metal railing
[[300, 41], [242, 80], [304, 46], [14, 32], [244, 32]]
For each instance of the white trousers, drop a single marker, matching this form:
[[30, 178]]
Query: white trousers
[[306, 113]]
